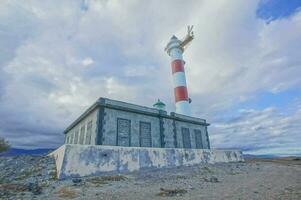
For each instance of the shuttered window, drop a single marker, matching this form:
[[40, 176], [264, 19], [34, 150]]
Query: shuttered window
[[123, 132], [75, 137], [186, 138], [145, 134], [198, 139], [67, 139], [89, 133], [71, 138], [82, 135]]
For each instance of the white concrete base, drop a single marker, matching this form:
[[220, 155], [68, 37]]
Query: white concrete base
[[91, 160]]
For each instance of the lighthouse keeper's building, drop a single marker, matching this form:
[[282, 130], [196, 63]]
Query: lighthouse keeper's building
[[116, 123]]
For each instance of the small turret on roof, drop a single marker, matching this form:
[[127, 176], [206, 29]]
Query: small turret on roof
[[159, 105]]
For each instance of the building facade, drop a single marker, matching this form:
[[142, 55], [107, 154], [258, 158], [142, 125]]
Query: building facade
[[116, 123]]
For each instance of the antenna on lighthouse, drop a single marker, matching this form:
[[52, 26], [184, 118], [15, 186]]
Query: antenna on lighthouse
[[188, 38]]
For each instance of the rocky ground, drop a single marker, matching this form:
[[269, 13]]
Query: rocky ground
[[33, 177]]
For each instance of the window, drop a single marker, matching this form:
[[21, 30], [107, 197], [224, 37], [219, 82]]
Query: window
[[123, 132], [145, 134], [67, 139], [89, 132], [75, 137], [198, 139], [82, 135], [186, 138], [71, 138]]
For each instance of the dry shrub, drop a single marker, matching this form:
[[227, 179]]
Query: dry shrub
[[13, 187], [171, 192], [207, 169], [66, 192], [4, 145], [104, 179], [113, 178], [97, 181]]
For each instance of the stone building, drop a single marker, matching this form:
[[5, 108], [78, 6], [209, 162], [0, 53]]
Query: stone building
[[116, 123]]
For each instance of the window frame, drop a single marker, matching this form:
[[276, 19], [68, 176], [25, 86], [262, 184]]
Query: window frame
[[117, 130], [150, 133], [182, 131]]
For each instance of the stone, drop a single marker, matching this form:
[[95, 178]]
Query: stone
[[213, 179], [34, 188], [76, 181]]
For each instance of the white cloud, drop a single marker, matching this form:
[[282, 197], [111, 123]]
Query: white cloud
[[87, 61], [282, 151], [234, 56], [239, 55], [261, 130]]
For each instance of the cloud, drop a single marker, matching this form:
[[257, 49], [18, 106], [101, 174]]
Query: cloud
[[87, 61], [259, 130], [240, 55], [58, 57]]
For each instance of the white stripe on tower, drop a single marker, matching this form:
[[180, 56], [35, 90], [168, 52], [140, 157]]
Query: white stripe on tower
[[177, 64], [179, 79]]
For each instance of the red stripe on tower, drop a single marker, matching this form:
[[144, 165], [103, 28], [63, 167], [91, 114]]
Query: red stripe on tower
[[177, 66], [181, 93]]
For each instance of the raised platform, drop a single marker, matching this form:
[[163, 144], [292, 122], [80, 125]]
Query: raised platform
[[91, 160]]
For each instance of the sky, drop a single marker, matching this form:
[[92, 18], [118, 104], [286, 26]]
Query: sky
[[243, 68]]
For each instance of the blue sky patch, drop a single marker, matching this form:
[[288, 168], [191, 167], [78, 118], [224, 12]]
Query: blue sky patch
[[280, 100], [274, 9]]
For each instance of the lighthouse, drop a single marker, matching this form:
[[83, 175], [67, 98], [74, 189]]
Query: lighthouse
[[175, 49], [127, 137]]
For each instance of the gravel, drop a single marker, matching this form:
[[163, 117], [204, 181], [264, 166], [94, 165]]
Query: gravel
[[33, 177]]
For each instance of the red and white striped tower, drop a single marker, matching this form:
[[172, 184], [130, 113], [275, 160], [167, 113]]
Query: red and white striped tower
[[175, 49]]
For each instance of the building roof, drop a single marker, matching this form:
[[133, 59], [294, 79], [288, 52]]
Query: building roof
[[120, 105]]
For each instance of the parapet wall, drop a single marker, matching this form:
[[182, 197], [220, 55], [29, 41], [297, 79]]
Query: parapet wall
[[92, 160]]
